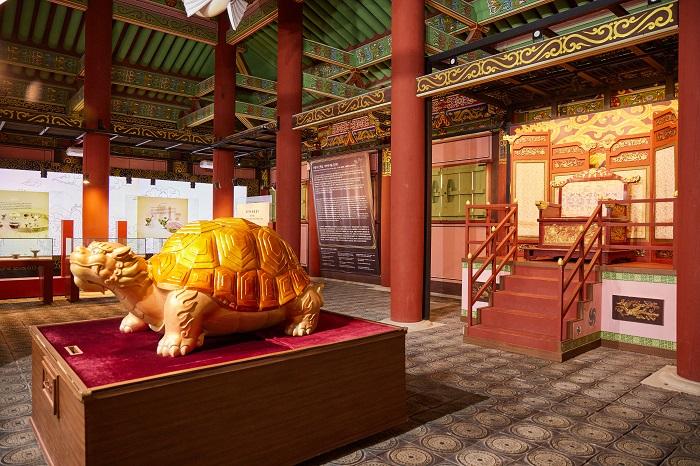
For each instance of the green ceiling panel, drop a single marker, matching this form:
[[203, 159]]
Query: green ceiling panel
[[187, 67], [59, 17], [153, 44], [139, 45], [162, 51], [126, 41], [172, 54], [25, 21], [39, 27], [80, 45], [182, 56], [117, 28], [9, 11], [72, 30], [206, 68]]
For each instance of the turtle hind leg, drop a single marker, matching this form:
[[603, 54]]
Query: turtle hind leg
[[183, 314], [302, 317]]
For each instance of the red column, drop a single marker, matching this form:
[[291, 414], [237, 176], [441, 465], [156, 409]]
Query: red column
[[314, 261], [98, 101], [385, 260], [687, 225], [408, 164], [121, 231], [224, 119], [289, 52]]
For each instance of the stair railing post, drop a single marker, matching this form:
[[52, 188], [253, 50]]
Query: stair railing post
[[515, 237], [561, 295], [470, 289]]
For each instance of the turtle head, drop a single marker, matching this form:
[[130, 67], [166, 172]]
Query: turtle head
[[107, 265]]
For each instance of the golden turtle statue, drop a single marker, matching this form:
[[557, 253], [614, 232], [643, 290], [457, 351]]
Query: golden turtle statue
[[211, 277]]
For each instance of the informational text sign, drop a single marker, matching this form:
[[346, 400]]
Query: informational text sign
[[343, 201], [256, 212]]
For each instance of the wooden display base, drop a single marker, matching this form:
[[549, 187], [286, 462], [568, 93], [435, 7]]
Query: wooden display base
[[535, 252], [275, 409]]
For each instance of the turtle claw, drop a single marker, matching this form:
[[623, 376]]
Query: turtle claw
[[175, 345], [303, 326]]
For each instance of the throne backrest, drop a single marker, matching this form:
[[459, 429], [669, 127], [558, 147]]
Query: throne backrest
[[579, 194]]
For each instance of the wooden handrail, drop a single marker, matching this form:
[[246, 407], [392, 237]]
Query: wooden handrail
[[580, 269], [509, 241]]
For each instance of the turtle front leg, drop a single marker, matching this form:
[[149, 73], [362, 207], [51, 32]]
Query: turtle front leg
[[130, 323], [183, 314], [302, 316]]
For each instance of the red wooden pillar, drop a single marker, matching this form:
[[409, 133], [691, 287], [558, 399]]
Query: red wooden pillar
[[224, 119], [385, 260], [688, 226], [314, 260], [98, 95], [121, 231], [408, 161], [289, 53]]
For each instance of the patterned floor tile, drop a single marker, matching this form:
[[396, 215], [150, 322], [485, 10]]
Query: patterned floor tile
[[469, 405]]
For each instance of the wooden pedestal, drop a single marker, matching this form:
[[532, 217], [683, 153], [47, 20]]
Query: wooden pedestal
[[275, 410]]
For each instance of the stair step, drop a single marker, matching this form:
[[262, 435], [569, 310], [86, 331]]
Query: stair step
[[538, 303], [527, 283], [552, 271], [531, 340], [517, 320]]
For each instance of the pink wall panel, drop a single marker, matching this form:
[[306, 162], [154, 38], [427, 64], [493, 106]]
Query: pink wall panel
[[462, 150], [447, 251], [666, 292]]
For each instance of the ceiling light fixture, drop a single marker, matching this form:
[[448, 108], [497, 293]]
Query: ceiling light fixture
[[86, 178]]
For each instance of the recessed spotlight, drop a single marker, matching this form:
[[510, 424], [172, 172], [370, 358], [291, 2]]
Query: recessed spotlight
[[453, 60], [537, 35]]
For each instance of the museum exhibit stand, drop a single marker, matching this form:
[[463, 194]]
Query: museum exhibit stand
[[102, 397], [30, 253]]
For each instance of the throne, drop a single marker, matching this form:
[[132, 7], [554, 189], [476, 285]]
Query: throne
[[560, 224]]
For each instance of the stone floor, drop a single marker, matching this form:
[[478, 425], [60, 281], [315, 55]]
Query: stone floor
[[467, 405]]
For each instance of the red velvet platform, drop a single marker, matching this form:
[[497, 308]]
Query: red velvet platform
[[262, 398], [110, 357]]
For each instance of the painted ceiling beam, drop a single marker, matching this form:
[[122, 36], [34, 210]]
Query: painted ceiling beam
[[254, 19], [33, 91], [31, 57], [447, 24], [145, 109], [77, 102], [328, 54], [373, 100], [489, 11], [656, 22], [457, 9], [329, 88], [156, 16], [243, 109]]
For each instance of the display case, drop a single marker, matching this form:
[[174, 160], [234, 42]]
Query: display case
[[26, 247]]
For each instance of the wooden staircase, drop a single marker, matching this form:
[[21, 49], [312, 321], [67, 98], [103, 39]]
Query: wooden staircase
[[538, 308], [525, 316]]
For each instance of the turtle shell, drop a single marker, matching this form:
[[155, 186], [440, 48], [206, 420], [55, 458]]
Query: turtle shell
[[238, 263]]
